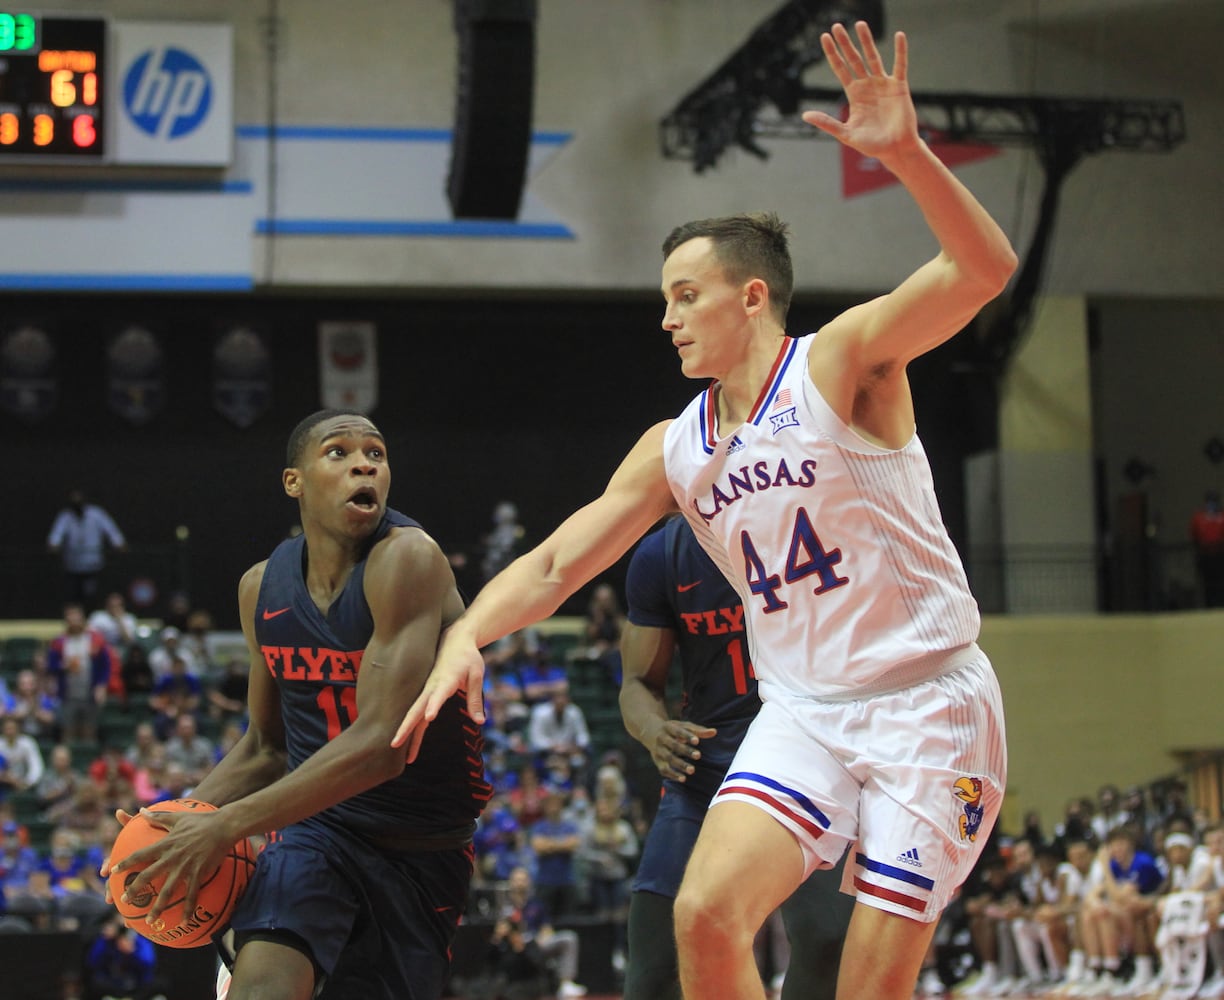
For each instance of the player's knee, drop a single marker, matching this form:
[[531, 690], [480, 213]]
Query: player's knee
[[704, 919]]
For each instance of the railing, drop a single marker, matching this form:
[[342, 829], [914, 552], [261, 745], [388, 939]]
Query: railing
[[1083, 579]]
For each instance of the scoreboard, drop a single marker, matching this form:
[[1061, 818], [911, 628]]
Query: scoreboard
[[53, 87]]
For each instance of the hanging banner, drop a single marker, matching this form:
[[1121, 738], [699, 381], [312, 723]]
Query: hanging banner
[[348, 365], [242, 387], [135, 388], [28, 387]]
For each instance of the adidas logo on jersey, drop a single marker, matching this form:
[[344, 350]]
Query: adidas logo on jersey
[[735, 445], [910, 857]]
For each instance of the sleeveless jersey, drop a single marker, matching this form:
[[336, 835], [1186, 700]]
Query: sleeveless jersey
[[836, 546], [316, 658], [673, 584]]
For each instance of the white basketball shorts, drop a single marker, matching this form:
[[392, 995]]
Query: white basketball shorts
[[910, 780]]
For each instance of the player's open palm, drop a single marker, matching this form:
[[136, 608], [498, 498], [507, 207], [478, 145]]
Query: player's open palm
[[881, 117]]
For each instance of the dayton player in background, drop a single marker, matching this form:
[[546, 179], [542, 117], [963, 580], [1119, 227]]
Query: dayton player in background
[[680, 604], [364, 882], [802, 475]]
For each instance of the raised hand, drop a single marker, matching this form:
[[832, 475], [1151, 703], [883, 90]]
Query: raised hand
[[882, 119]]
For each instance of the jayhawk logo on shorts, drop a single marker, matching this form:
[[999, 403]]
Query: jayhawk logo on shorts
[[969, 791]]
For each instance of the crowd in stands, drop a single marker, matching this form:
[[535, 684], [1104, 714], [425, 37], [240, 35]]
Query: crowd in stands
[[1080, 911], [111, 714], [106, 715]]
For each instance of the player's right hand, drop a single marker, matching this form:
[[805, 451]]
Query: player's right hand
[[458, 667], [675, 751]]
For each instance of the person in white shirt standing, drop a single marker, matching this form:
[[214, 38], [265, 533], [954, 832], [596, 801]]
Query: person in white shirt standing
[[80, 534]]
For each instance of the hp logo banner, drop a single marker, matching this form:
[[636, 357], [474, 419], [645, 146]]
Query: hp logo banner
[[167, 93], [176, 93]]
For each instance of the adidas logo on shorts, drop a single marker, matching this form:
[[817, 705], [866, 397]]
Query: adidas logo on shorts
[[910, 857]]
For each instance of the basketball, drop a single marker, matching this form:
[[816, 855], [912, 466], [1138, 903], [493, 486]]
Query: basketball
[[217, 895]]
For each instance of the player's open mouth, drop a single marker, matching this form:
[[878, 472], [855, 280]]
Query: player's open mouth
[[364, 499]]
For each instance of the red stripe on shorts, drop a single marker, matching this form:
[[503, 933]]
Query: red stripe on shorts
[[756, 793], [890, 894]]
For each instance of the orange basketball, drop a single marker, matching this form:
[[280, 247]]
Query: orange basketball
[[217, 895]]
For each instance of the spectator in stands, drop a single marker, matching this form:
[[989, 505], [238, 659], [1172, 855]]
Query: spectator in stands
[[604, 620], [516, 968], [190, 749], [514, 852], [66, 865], [177, 693], [37, 711], [555, 841], [137, 672], [178, 610], [1043, 889], [608, 851], [526, 797], [17, 859], [114, 776], [992, 902], [1108, 814], [88, 808], [58, 785], [120, 963], [1207, 537], [495, 828], [525, 905], [115, 623], [22, 766], [521, 655], [1076, 823], [1208, 878], [170, 647], [1058, 921], [36, 900], [144, 746], [80, 662], [80, 534], [227, 697], [559, 726], [1117, 910], [503, 543], [150, 783], [196, 643]]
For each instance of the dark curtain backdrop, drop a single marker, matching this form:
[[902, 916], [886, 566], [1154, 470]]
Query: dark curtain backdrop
[[527, 399]]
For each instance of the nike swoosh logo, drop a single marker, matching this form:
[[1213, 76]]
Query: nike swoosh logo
[[269, 615], [685, 587]]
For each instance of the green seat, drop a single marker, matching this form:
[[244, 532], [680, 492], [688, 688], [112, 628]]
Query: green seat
[[40, 831], [18, 653]]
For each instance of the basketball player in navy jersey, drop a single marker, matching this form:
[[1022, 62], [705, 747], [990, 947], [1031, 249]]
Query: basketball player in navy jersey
[[359, 892], [679, 604], [801, 473]]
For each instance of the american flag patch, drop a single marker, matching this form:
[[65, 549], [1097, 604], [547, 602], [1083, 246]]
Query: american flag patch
[[783, 399]]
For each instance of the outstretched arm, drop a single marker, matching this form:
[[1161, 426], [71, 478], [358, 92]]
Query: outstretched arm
[[535, 585], [874, 341]]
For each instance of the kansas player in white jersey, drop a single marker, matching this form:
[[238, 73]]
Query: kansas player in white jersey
[[882, 733]]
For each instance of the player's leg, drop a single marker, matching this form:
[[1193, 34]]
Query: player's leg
[[269, 969], [652, 972], [883, 955], [744, 865], [817, 916]]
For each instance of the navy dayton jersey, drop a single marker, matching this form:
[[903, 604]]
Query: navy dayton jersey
[[316, 658], [673, 584]]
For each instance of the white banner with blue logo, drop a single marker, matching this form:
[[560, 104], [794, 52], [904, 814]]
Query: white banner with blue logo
[[173, 99]]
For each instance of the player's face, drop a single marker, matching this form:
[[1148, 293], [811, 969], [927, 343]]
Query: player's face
[[705, 312], [345, 477]]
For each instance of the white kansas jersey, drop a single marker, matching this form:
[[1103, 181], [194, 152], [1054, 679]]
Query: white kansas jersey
[[836, 546]]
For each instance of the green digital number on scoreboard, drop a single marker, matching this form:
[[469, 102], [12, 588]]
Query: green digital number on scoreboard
[[52, 84]]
